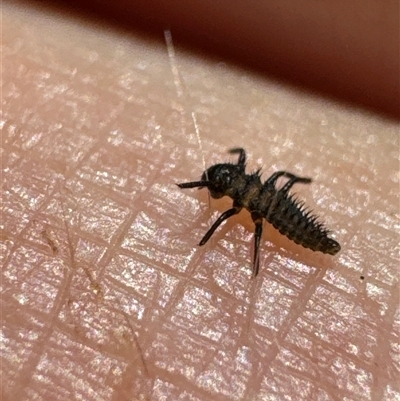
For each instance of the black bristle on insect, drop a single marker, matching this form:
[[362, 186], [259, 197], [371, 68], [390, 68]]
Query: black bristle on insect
[[264, 201]]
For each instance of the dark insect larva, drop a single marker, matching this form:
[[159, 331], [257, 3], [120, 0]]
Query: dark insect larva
[[264, 201]]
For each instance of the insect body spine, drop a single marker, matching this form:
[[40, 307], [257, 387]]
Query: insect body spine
[[264, 201]]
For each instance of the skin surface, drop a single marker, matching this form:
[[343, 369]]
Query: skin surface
[[105, 295]]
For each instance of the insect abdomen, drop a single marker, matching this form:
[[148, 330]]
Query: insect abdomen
[[289, 217]]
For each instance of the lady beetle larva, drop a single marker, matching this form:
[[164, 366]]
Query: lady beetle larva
[[264, 201]]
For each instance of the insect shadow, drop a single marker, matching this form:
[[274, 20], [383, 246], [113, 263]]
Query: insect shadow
[[264, 201]]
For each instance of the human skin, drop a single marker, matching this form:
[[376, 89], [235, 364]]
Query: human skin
[[105, 294]]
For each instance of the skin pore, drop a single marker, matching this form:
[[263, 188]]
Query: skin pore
[[105, 294]]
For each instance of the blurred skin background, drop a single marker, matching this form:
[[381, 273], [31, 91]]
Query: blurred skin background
[[345, 50], [105, 293]]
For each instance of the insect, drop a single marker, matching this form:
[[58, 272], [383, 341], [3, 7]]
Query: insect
[[264, 201]]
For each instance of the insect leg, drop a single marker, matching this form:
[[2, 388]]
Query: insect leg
[[242, 155], [193, 184], [274, 177], [257, 239], [285, 189], [221, 218]]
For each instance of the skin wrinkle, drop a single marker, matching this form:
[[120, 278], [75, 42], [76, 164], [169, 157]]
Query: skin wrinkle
[[105, 338]]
